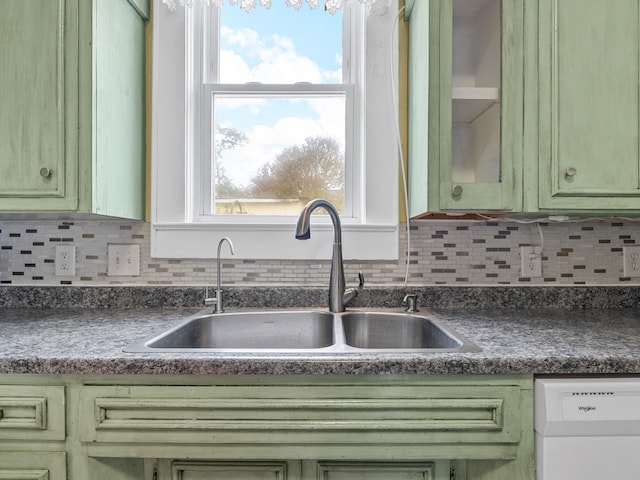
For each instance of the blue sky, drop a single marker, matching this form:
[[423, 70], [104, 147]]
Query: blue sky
[[278, 45], [315, 33]]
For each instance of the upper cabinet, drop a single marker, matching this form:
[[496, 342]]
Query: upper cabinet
[[568, 141], [584, 121], [33, 82], [72, 123], [466, 105]]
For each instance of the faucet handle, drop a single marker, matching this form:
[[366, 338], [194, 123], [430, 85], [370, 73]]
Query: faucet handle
[[351, 293]]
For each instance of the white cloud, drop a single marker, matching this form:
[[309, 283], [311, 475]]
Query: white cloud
[[266, 142], [269, 59], [242, 37], [274, 59]]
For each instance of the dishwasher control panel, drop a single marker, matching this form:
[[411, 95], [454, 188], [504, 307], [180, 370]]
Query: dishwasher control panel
[[583, 406]]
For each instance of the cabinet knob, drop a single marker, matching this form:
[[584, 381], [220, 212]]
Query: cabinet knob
[[45, 172], [570, 171], [456, 191]]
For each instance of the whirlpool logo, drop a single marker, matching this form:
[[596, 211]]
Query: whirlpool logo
[[586, 408]]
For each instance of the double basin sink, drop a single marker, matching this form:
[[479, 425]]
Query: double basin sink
[[307, 332]]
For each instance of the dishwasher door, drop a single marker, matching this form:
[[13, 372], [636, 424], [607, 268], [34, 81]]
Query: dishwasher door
[[587, 428]]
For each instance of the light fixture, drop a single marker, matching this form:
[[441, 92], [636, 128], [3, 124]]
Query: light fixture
[[376, 7]]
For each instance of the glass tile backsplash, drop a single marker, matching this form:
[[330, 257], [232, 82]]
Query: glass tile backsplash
[[441, 252]]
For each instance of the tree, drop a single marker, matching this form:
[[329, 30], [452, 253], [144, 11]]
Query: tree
[[226, 139], [313, 169]]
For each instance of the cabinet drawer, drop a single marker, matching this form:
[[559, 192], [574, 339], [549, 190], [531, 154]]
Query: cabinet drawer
[[33, 466], [229, 471], [32, 413], [305, 414]]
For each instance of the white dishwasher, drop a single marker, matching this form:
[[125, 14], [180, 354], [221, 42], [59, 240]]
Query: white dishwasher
[[587, 428]]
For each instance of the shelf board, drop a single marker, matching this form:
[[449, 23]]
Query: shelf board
[[470, 8], [471, 102]]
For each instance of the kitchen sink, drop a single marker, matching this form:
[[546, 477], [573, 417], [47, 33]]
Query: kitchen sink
[[307, 331], [253, 330], [392, 331]]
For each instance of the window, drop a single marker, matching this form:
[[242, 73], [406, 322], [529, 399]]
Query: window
[[243, 137], [278, 95]]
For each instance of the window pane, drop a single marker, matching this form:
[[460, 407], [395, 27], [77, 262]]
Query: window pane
[[280, 45], [272, 153]]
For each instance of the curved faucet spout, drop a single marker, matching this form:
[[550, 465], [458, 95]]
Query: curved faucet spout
[[303, 229], [338, 295], [222, 240]]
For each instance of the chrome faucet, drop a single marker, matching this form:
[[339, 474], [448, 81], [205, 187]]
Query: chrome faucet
[[339, 296], [217, 302], [411, 301]]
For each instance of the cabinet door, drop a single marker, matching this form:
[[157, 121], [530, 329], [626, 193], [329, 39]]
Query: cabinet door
[[324, 470], [35, 95], [381, 471], [114, 149], [475, 104], [589, 115]]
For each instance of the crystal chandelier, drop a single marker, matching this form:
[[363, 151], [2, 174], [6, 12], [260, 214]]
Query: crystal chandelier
[[377, 7]]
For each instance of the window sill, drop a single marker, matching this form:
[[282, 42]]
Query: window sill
[[273, 242]]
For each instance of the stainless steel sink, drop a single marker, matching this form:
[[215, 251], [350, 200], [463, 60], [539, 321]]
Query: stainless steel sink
[[307, 332], [393, 331], [251, 330]]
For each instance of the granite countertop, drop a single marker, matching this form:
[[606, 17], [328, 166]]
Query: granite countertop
[[513, 340]]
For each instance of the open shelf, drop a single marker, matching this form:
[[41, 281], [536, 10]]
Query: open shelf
[[471, 102]]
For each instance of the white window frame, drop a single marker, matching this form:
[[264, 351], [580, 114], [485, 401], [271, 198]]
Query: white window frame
[[178, 230]]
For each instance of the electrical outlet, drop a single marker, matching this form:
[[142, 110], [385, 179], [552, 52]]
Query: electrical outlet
[[531, 261], [631, 261], [123, 260], [65, 260]]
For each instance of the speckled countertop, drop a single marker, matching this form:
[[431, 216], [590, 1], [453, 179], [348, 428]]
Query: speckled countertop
[[513, 340]]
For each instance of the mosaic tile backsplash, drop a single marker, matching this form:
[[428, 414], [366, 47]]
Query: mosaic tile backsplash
[[441, 252]]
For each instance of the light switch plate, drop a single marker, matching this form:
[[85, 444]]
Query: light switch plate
[[123, 260]]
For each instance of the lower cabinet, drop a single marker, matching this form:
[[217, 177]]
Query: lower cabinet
[[32, 432], [202, 470], [32, 466], [275, 427], [224, 471]]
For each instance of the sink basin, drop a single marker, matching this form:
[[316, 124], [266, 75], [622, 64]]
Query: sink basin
[[307, 332], [253, 330], [392, 331]]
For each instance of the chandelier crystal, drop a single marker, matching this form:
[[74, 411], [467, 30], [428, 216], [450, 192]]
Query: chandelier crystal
[[376, 7]]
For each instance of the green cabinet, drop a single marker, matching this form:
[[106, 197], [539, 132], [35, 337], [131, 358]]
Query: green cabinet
[[346, 427], [32, 432], [276, 427], [33, 466], [466, 105], [302, 470], [73, 95], [568, 102], [33, 83], [583, 117], [194, 470]]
